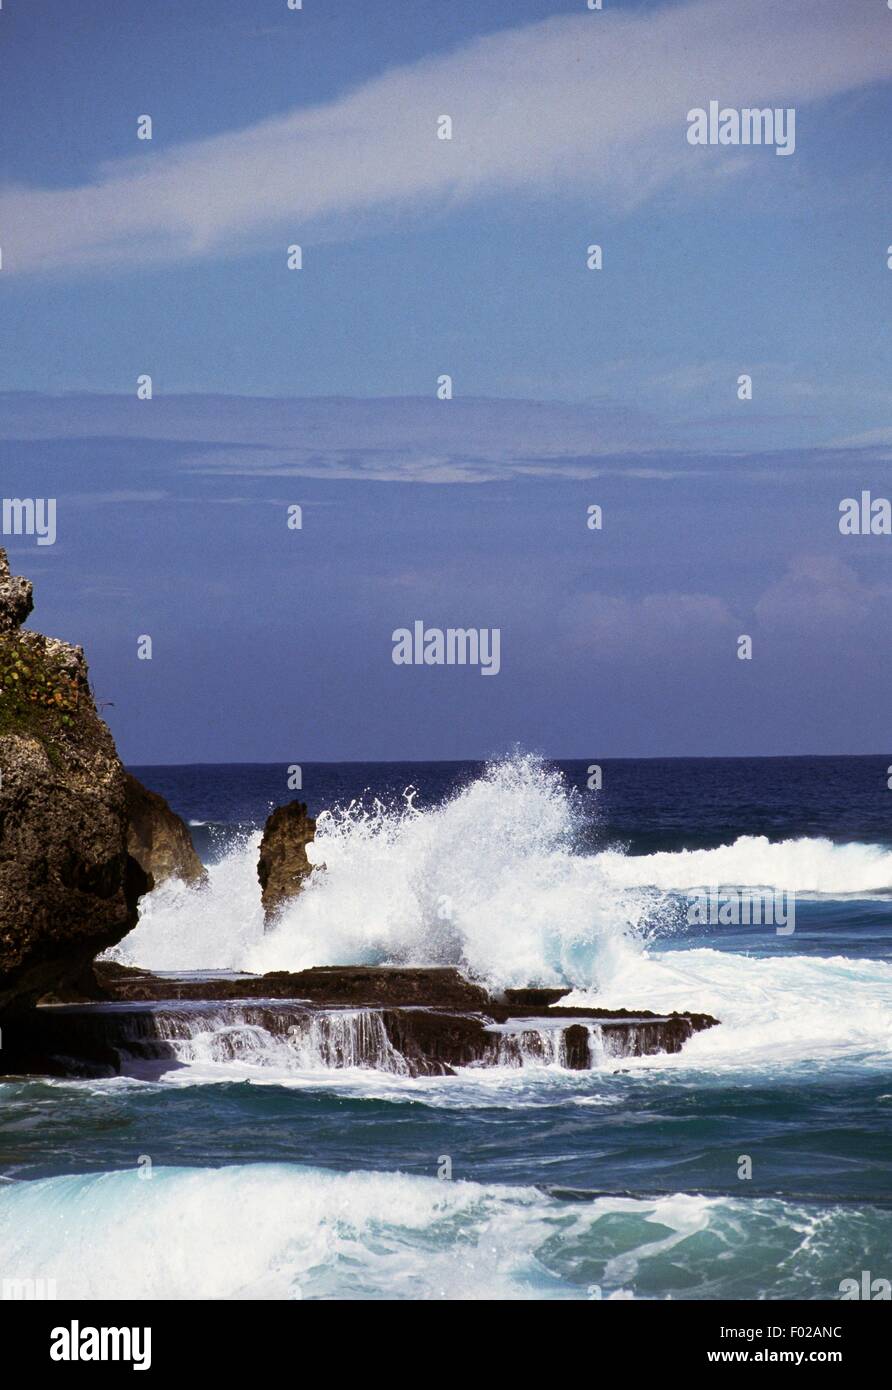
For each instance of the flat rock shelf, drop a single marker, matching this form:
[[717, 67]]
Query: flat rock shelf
[[406, 1021]]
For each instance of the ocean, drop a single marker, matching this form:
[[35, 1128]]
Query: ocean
[[753, 1164]]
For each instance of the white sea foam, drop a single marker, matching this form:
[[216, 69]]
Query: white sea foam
[[805, 866], [209, 928], [285, 1231], [775, 1010], [493, 881], [490, 881]]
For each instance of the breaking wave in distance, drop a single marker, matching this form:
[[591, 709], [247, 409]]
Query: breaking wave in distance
[[806, 866], [496, 881]]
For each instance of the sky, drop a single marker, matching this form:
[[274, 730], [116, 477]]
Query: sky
[[421, 257]]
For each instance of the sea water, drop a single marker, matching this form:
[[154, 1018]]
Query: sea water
[[753, 1164]]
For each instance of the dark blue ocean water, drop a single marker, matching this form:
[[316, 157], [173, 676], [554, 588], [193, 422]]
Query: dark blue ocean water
[[650, 804], [755, 1164]]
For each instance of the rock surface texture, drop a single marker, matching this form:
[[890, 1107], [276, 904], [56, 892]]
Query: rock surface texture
[[157, 838], [68, 887], [283, 865], [413, 1021]]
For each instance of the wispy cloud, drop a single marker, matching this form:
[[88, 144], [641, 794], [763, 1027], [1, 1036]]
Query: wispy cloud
[[388, 439], [121, 497], [594, 102], [173, 439]]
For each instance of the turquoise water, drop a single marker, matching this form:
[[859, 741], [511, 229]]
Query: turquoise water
[[263, 1175]]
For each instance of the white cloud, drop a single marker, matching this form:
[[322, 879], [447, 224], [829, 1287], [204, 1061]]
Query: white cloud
[[820, 591], [593, 103], [655, 623]]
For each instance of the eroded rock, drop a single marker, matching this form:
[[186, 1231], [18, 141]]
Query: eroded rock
[[68, 887], [16, 597], [157, 838], [406, 1040], [411, 1020], [283, 865]]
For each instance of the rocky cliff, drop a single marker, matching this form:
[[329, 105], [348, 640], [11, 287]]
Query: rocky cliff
[[157, 838], [68, 887], [283, 865]]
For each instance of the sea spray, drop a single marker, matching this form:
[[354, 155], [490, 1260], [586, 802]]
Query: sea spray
[[501, 880], [286, 1231], [491, 881], [205, 928]]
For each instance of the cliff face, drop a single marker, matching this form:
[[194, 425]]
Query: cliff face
[[68, 887], [157, 838]]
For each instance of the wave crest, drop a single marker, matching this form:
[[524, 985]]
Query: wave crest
[[490, 881]]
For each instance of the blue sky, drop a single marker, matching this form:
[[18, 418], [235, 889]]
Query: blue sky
[[572, 387]]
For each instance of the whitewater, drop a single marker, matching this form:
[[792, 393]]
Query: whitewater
[[290, 1232], [301, 1160], [502, 881]]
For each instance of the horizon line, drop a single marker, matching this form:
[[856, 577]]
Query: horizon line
[[613, 758]]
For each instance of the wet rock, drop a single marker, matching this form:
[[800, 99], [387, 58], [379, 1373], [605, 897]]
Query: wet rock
[[577, 1049], [436, 1044], [432, 986], [283, 865], [439, 987], [535, 996], [407, 1041], [410, 986], [157, 838], [417, 1021]]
